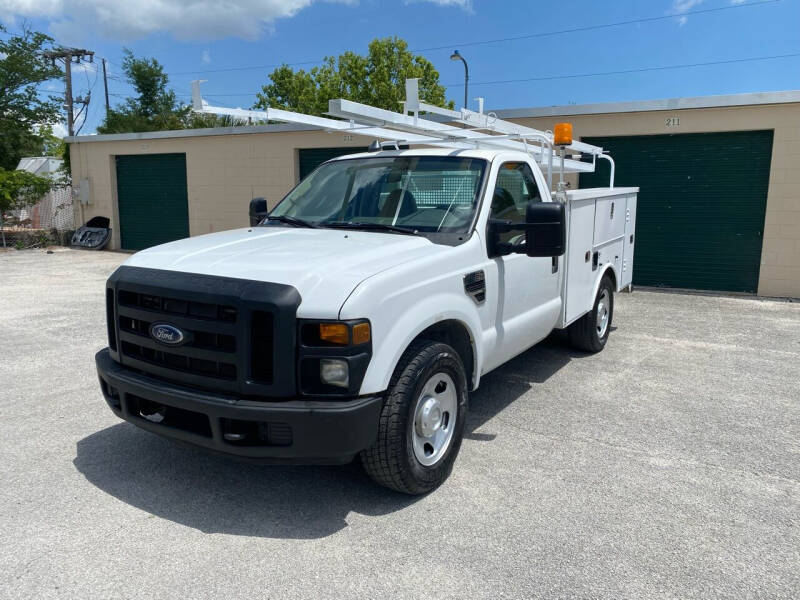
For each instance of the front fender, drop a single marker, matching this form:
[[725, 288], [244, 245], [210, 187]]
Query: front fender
[[393, 331]]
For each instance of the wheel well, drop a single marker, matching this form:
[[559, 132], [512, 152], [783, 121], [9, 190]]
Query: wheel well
[[455, 334], [610, 273]]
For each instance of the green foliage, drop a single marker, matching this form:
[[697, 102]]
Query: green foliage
[[24, 114], [21, 188], [155, 107], [377, 79], [204, 121]]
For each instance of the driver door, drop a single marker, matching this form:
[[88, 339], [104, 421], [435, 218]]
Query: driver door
[[529, 298]]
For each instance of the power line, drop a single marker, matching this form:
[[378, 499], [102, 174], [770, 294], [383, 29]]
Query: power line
[[603, 26], [580, 75], [509, 39], [628, 71], [66, 55]]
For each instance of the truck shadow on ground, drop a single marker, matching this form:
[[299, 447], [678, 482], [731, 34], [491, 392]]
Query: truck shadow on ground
[[219, 495]]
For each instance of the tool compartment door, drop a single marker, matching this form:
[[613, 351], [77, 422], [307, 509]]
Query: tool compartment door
[[609, 219], [580, 276], [626, 277]]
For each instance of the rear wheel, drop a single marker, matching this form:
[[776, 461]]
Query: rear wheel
[[590, 332], [422, 422]]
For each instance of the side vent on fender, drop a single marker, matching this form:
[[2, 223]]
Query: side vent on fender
[[475, 286]]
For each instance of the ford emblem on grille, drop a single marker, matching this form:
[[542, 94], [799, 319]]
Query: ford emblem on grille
[[166, 334]]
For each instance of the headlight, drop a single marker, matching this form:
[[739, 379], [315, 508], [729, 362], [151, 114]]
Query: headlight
[[334, 371], [333, 356]]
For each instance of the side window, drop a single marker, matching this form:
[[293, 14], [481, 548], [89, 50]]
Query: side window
[[515, 188]]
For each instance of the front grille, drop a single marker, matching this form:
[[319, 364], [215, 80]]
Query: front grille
[[198, 338], [228, 330], [261, 343], [178, 306], [180, 362]]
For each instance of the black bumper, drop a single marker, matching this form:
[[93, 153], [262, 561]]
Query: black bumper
[[293, 431]]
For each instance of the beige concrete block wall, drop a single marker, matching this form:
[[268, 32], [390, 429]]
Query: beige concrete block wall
[[223, 173], [780, 258]]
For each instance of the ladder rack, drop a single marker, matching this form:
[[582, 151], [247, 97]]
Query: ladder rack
[[474, 130]]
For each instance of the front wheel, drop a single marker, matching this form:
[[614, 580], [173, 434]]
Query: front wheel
[[422, 421], [590, 332]]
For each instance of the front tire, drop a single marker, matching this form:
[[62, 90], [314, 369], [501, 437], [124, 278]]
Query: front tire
[[590, 332], [422, 421]]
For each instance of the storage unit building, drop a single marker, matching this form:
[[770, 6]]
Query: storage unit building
[[719, 205]]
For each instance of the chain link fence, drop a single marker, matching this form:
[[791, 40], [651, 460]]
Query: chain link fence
[[54, 211], [47, 221]]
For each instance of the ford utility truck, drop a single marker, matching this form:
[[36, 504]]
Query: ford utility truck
[[354, 319]]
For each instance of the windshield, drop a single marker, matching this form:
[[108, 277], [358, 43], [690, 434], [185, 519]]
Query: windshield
[[425, 194]]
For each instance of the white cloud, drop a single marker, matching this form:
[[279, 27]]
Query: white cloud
[[187, 19], [60, 130], [685, 5], [681, 6], [206, 57], [738, 1], [85, 66], [463, 4]]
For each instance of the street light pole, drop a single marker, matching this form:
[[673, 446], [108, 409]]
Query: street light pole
[[457, 56]]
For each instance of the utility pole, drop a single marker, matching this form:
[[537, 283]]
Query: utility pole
[[67, 55], [105, 85]]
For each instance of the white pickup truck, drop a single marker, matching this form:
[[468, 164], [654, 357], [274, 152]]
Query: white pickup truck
[[355, 319]]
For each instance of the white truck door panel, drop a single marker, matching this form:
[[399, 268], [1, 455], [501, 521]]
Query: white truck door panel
[[528, 291], [528, 302]]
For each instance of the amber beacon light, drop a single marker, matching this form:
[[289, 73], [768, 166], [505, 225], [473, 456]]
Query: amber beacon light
[[562, 134]]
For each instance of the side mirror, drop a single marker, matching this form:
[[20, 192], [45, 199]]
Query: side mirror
[[258, 210], [545, 229]]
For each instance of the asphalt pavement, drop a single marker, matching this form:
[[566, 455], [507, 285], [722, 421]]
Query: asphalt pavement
[[667, 466]]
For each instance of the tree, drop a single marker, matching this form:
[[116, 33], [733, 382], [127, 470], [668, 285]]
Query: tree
[[25, 116], [207, 120], [155, 107], [377, 79]]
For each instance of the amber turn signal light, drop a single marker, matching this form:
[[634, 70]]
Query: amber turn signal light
[[334, 333], [361, 333], [562, 134]]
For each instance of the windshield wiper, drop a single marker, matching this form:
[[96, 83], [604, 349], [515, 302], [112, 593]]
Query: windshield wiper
[[291, 221], [371, 226]]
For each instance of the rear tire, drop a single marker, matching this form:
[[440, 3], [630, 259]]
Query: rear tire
[[422, 421], [590, 332]]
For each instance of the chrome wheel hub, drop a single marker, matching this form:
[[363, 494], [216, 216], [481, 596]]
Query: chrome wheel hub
[[434, 419], [603, 313]]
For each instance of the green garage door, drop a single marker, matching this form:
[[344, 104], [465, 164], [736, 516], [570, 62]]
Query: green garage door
[[700, 214], [311, 158], [153, 200]]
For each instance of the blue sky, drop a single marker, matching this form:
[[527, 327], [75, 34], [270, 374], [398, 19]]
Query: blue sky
[[195, 41]]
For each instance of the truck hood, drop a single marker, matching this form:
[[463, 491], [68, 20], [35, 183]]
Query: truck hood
[[324, 265]]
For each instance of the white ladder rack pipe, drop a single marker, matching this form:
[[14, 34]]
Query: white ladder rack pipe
[[610, 160]]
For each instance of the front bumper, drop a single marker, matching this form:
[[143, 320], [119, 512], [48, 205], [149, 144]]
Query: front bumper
[[292, 431]]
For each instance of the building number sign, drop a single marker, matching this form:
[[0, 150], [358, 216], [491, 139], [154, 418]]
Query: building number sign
[[672, 121]]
